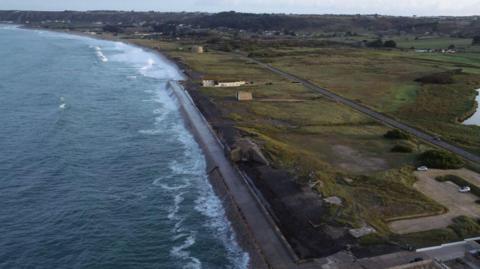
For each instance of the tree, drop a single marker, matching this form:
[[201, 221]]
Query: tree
[[396, 134], [451, 47], [375, 44], [476, 40], [441, 160], [390, 44], [112, 29]]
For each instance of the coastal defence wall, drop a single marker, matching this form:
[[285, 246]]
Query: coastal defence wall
[[237, 219], [256, 230]]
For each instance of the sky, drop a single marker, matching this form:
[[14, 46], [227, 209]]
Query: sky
[[384, 7]]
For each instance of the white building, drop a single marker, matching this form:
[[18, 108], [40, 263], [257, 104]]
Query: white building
[[224, 84]]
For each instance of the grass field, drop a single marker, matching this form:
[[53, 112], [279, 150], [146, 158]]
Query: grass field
[[432, 42], [385, 81]]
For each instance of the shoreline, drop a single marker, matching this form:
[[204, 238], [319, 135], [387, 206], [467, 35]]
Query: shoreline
[[246, 235], [473, 111]]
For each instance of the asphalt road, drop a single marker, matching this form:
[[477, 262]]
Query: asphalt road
[[373, 114]]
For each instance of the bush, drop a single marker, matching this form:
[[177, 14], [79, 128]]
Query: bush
[[396, 134], [402, 149], [112, 29], [441, 160], [465, 227], [476, 40], [375, 44], [460, 182], [440, 78], [390, 44]]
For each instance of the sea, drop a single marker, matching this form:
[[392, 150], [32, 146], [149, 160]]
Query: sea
[[97, 167]]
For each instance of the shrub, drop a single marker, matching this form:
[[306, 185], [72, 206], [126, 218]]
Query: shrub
[[441, 160], [378, 43], [112, 29], [396, 134], [465, 227], [439, 78], [402, 149], [390, 44], [476, 40]]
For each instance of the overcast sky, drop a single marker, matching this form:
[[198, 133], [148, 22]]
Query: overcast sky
[[388, 7]]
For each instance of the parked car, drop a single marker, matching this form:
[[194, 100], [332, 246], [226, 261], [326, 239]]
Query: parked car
[[464, 189], [422, 169]]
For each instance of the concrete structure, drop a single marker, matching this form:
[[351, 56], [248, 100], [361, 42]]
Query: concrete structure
[[244, 96], [231, 84], [224, 84], [208, 83], [197, 49], [428, 264], [246, 151]]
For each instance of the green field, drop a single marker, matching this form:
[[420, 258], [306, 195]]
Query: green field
[[385, 81], [432, 42], [340, 151]]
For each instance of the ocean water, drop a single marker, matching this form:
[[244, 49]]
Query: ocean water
[[97, 169]]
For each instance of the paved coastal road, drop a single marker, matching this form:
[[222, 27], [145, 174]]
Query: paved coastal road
[[373, 114]]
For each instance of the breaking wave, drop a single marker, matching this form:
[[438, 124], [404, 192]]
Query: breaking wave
[[186, 184], [100, 54]]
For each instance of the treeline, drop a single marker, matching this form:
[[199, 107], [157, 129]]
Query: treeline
[[455, 26]]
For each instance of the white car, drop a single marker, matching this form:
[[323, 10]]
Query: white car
[[422, 169], [464, 189]]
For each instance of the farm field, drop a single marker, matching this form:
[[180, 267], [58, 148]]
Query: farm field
[[386, 81], [407, 42]]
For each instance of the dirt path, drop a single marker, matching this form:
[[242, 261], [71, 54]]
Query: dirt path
[[445, 193]]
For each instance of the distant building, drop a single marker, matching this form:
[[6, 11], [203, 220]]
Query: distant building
[[231, 84], [224, 84], [198, 49], [208, 83], [244, 96]]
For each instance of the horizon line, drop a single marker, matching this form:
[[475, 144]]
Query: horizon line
[[244, 12]]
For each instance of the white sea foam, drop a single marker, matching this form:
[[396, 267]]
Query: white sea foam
[[182, 252], [176, 206], [10, 27], [148, 64], [62, 105], [100, 54], [168, 187], [211, 206], [189, 167]]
